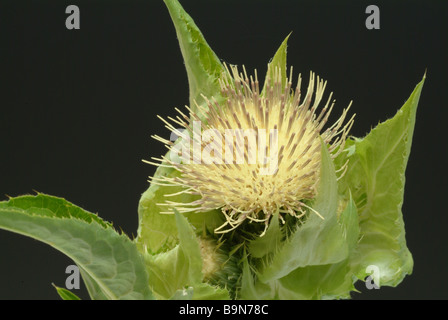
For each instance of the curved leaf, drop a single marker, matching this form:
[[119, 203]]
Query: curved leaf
[[203, 66], [376, 175], [181, 267], [329, 281], [317, 241], [110, 260]]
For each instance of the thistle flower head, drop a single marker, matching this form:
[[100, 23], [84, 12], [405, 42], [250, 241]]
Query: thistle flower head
[[251, 153]]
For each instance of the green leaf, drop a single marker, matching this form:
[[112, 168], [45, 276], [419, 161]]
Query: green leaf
[[50, 206], [157, 232], [278, 62], [201, 291], [376, 176], [181, 268], [317, 241], [205, 291], [92, 286], [251, 289], [203, 66], [350, 224], [113, 265], [190, 248], [66, 294], [269, 242], [330, 281], [183, 294]]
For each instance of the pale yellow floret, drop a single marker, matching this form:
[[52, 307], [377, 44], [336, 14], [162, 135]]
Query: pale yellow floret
[[243, 191]]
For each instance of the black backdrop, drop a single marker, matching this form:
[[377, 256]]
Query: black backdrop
[[78, 106]]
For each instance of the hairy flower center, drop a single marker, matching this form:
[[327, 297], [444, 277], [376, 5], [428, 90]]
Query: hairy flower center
[[253, 154]]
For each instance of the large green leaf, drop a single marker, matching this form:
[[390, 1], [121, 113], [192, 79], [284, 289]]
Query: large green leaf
[[110, 260], [376, 176], [330, 281], [318, 241], [203, 66], [94, 289]]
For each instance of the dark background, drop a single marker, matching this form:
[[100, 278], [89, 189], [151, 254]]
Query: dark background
[[78, 106]]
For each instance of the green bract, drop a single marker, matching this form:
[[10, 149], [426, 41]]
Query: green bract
[[178, 256]]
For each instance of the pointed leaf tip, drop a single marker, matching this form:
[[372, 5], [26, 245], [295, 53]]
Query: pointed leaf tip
[[278, 61], [202, 64], [377, 169], [65, 294]]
